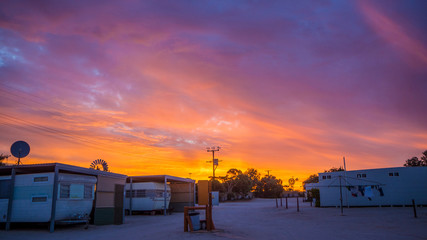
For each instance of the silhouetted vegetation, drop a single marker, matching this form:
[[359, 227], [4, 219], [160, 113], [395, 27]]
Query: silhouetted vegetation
[[3, 157], [415, 162], [240, 185], [314, 193], [269, 187], [334, 169], [314, 178]]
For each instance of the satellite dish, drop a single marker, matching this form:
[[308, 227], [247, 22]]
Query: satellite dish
[[20, 149], [99, 164], [291, 181]]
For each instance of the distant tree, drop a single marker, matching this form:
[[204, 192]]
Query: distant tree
[[270, 187], [3, 157], [229, 181], [414, 162], [424, 158], [311, 179], [217, 186], [254, 176], [243, 185], [334, 169], [314, 193]]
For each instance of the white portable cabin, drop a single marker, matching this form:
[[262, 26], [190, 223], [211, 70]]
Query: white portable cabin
[[32, 197], [54, 192], [147, 196], [175, 192], [374, 187]]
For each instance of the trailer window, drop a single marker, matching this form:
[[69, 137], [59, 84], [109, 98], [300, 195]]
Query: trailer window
[[5, 188], [136, 193], [77, 191], [39, 199], [64, 191], [41, 179], [151, 193], [128, 194], [159, 193], [88, 191]]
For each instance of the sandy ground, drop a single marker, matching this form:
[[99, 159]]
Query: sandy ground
[[256, 219]]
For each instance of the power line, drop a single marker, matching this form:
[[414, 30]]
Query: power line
[[25, 98], [58, 134]]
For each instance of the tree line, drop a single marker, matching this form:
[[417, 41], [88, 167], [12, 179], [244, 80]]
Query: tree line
[[415, 162], [3, 157], [237, 184]]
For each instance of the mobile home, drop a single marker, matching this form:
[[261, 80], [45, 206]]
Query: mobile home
[[159, 192], [374, 187], [58, 192], [147, 196], [32, 200]]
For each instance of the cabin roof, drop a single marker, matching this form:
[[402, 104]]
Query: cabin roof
[[158, 178], [50, 167]]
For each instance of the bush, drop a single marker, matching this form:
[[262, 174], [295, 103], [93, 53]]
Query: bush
[[315, 193]]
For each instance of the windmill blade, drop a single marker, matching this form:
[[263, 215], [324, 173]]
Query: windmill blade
[[99, 164]]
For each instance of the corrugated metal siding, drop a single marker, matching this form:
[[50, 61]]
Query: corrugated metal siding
[[182, 194], [106, 200]]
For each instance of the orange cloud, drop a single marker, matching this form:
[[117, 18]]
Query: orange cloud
[[393, 32]]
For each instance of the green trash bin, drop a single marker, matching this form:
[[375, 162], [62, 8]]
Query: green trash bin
[[195, 220]]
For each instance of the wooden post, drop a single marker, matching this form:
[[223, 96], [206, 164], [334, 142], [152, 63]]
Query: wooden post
[[281, 202], [286, 202], [341, 198], [297, 204], [415, 208], [276, 204], [185, 219]]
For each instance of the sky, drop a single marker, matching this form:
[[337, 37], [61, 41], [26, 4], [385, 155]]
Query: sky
[[286, 86]]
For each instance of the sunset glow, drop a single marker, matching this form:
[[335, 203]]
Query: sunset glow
[[287, 86]]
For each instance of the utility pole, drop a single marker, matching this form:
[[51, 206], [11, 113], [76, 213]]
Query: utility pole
[[214, 161], [345, 180], [341, 196], [268, 172]]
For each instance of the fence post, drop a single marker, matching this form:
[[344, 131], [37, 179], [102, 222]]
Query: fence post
[[277, 204], [297, 204], [286, 202], [415, 208]]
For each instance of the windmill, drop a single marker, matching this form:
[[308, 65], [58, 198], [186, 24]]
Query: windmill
[[99, 164], [292, 181]]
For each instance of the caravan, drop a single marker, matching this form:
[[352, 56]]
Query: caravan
[[32, 197], [147, 196]]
